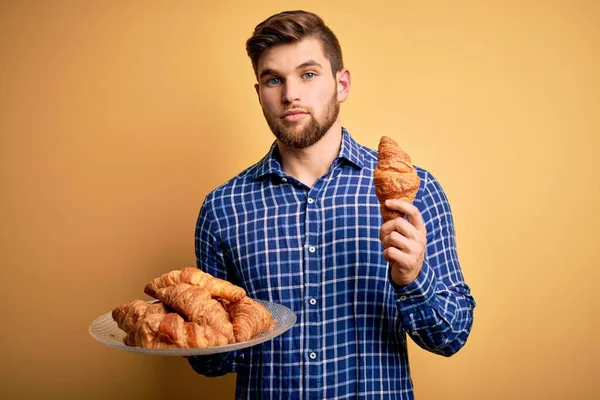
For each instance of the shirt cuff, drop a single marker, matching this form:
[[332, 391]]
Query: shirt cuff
[[216, 364], [419, 291]]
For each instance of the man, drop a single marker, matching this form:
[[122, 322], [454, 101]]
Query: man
[[303, 228]]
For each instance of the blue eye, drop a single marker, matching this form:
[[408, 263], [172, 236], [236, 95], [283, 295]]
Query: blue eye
[[274, 81], [309, 75]]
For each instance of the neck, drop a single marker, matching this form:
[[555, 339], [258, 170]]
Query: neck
[[310, 163]]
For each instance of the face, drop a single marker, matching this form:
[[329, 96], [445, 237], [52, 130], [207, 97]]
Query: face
[[298, 93]]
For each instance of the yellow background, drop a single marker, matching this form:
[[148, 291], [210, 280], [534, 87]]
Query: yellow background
[[117, 118]]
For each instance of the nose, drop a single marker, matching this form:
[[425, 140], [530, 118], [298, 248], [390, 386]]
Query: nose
[[291, 92]]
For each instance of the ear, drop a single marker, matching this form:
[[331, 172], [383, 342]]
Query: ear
[[343, 84], [256, 87]]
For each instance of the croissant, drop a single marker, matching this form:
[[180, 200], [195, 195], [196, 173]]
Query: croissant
[[249, 318], [156, 328], [127, 315], [194, 276], [197, 305], [394, 177]]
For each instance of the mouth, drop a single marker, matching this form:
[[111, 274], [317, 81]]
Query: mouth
[[294, 115]]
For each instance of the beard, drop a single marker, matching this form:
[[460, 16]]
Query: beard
[[298, 135]]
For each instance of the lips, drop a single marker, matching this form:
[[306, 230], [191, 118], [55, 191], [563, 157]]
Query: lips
[[294, 115]]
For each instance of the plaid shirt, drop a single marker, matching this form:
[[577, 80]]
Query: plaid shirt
[[317, 251]]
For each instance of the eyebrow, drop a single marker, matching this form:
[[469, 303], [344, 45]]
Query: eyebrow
[[309, 63]]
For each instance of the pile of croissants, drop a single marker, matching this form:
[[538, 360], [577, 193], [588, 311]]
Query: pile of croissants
[[194, 310]]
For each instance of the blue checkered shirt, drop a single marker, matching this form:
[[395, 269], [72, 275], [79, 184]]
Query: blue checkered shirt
[[317, 251]]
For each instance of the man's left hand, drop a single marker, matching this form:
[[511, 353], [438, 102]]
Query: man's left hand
[[404, 242]]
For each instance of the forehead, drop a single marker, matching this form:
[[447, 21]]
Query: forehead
[[288, 56]]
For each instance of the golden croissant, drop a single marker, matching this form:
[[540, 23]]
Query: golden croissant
[[152, 326], [197, 305], [249, 318], [127, 315], [394, 177], [194, 276]]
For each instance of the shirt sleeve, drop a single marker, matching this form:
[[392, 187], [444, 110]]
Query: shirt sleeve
[[211, 259], [437, 307]]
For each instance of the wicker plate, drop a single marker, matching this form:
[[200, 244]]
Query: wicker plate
[[104, 329]]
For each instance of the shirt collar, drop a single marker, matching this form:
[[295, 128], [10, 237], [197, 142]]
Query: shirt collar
[[349, 152]]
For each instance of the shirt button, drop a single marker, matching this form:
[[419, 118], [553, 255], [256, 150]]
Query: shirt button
[[312, 356], [284, 180], [414, 333], [310, 200], [311, 249], [402, 297], [313, 301]]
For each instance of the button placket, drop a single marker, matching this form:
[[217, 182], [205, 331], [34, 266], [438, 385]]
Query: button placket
[[313, 371]]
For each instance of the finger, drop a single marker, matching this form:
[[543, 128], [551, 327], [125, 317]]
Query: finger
[[413, 213], [412, 247], [399, 205], [400, 225], [416, 219], [387, 228], [398, 258], [395, 239], [405, 228]]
